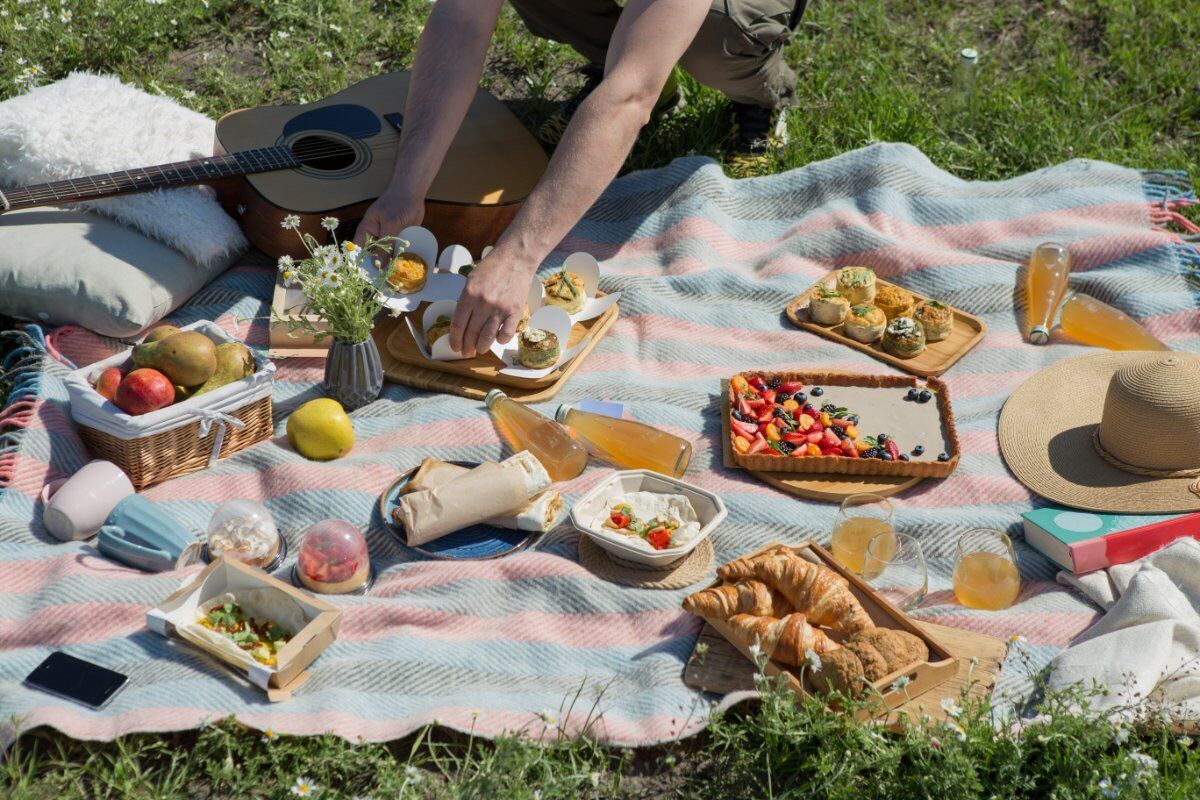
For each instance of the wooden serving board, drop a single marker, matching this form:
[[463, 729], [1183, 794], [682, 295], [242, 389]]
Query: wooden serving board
[[935, 359], [722, 668], [825, 487], [403, 363]]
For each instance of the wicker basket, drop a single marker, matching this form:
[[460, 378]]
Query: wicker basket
[[179, 451]]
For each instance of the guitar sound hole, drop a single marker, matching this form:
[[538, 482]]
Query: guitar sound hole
[[323, 153]]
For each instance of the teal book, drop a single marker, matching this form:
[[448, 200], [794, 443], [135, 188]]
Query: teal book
[[1083, 541]]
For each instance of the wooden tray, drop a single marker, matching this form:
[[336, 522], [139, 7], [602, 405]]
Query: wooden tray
[[934, 360], [720, 668], [922, 676], [828, 488]]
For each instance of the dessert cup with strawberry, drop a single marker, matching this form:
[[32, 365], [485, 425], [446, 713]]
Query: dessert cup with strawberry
[[333, 558]]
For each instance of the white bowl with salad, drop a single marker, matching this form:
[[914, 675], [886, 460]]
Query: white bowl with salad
[[647, 518]]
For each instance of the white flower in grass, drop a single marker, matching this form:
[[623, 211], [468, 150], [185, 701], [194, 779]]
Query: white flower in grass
[[291, 222], [328, 54], [1107, 789], [957, 730], [1186, 740], [329, 223], [755, 649], [304, 787], [901, 683], [1144, 764], [594, 777], [286, 263], [537, 794], [269, 735], [65, 16], [550, 720], [412, 775], [335, 28], [19, 27], [1018, 640], [951, 708], [1121, 736], [812, 660]]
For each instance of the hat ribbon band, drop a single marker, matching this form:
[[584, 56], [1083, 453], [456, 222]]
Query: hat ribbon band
[[1194, 486]]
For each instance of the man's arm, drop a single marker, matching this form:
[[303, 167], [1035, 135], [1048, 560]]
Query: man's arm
[[650, 38], [445, 77]]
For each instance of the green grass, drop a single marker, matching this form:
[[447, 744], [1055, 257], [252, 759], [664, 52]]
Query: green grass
[[1102, 79]]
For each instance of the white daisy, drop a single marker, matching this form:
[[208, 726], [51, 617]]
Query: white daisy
[[304, 787], [329, 223], [550, 720], [594, 777], [900, 683], [1107, 789], [957, 730], [65, 15], [412, 774], [286, 263], [1145, 764], [269, 735], [951, 708], [812, 660], [291, 222], [19, 27], [289, 277]]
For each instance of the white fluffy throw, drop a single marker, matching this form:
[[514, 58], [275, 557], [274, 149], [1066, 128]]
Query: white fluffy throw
[[87, 124]]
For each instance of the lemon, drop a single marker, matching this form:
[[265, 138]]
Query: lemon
[[320, 430]]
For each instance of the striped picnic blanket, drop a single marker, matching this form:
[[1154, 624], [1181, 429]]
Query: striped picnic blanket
[[706, 265]]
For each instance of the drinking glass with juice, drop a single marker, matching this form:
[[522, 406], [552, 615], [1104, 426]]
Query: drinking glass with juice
[[627, 443], [985, 570], [525, 429], [861, 518]]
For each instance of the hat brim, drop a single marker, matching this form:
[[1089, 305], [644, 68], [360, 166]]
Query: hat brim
[[1046, 439]]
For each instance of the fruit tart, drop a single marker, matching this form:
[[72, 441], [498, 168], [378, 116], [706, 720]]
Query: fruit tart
[[333, 558]]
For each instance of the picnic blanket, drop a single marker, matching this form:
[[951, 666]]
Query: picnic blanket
[[707, 265]]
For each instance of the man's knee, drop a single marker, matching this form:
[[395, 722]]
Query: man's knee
[[739, 50]]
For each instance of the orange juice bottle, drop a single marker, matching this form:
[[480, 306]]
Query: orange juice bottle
[[525, 429], [627, 443], [1089, 321], [1045, 285]]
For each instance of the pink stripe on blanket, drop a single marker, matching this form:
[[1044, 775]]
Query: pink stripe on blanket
[[71, 624]]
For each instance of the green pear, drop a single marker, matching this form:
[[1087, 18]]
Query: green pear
[[234, 362], [160, 333], [187, 359]]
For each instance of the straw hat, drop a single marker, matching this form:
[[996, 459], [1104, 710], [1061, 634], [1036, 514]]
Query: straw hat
[[1115, 432]]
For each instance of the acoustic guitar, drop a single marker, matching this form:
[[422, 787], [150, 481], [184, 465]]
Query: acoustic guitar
[[333, 158]]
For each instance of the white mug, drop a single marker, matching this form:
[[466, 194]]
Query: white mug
[[75, 508]]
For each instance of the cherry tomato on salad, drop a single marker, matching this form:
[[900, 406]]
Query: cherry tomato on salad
[[659, 538]]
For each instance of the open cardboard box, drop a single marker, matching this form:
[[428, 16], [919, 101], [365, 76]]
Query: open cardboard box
[[922, 676], [280, 681]]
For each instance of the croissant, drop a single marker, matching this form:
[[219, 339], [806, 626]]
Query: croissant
[[816, 591], [744, 597], [784, 640], [742, 568]]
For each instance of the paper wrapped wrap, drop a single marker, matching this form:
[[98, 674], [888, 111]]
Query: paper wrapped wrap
[[455, 498], [538, 516]]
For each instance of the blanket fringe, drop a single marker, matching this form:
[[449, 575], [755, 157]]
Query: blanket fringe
[[21, 370], [1168, 191]]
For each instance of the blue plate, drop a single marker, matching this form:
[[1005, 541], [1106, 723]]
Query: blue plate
[[469, 544]]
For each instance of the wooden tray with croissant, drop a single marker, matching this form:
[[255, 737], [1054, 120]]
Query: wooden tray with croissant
[[821, 627]]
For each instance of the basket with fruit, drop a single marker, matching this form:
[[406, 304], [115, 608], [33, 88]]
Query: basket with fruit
[[173, 404]]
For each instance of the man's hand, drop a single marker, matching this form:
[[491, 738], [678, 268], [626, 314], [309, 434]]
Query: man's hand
[[391, 213], [491, 305]]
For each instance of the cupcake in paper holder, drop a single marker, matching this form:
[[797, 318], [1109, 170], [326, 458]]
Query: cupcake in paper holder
[[865, 323], [904, 338], [333, 558], [857, 284], [894, 302], [826, 305], [573, 288], [245, 531], [935, 318], [566, 290], [434, 341], [537, 348]]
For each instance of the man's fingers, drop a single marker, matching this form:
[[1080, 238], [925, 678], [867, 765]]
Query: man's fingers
[[487, 333], [509, 329], [458, 325], [368, 227], [471, 332]]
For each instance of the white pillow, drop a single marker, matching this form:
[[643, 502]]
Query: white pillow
[[87, 124]]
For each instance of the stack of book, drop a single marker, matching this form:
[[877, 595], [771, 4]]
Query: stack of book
[[1083, 541]]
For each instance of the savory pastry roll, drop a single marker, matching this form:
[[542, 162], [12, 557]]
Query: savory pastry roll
[[537, 348], [936, 319], [904, 338], [565, 290], [408, 273], [857, 284], [826, 306], [539, 516], [865, 323], [894, 302], [437, 330]]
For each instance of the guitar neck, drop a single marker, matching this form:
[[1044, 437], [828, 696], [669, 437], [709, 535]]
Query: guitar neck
[[144, 179]]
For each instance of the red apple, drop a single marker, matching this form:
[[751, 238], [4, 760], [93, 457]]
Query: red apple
[[144, 390], [107, 383]]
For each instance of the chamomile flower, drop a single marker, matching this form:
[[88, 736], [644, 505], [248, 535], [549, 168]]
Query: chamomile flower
[[812, 660], [65, 16], [951, 708], [329, 223], [291, 222], [19, 27], [304, 787], [412, 775], [1121, 736], [269, 735], [1108, 790], [1018, 640], [900, 684], [755, 649], [289, 277], [286, 263], [550, 720], [957, 730], [594, 777], [1145, 764]]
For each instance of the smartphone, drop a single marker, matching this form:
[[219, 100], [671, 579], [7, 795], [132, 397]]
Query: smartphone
[[75, 679]]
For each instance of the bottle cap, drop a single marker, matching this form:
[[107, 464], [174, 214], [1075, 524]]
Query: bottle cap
[[1039, 335], [492, 397], [561, 413], [969, 54]]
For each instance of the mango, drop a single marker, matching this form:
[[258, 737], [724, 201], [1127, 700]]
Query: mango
[[187, 359], [159, 333], [234, 362], [321, 430]]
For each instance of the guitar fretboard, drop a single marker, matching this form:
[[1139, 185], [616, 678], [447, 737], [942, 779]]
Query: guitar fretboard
[[142, 179]]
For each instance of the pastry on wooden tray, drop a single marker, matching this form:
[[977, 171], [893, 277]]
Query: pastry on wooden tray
[[744, 568], [857, 284], [827, 306], [865, 323], [565, 290], [817, 591], [936, 319], [537, 348], [438, 329], [744, 597], [786, 640], [408, 273], [904, 338], [894, 301], [868, 657]]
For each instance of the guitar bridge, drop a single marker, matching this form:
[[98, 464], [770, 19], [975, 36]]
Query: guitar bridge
[[395, 119]]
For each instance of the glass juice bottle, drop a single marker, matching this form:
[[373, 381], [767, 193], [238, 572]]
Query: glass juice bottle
[[962, 92], [627, 443], [1089, 321], [1045, 285], [525, 429]]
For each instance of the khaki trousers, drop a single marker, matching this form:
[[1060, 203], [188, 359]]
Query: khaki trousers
[[738, 50]]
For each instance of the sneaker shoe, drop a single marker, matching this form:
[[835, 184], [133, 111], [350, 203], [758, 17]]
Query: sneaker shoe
[[759, 134], [551, 131]]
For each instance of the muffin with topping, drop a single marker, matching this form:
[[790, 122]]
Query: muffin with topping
[[537, 348], [904, 338], [826, 306], [437, 330], [935, 318], [865, 323], [565, 290], [894, 302], [857, 284]]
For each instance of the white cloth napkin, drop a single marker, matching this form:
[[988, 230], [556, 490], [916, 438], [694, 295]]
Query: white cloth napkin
[[1147, 645]]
